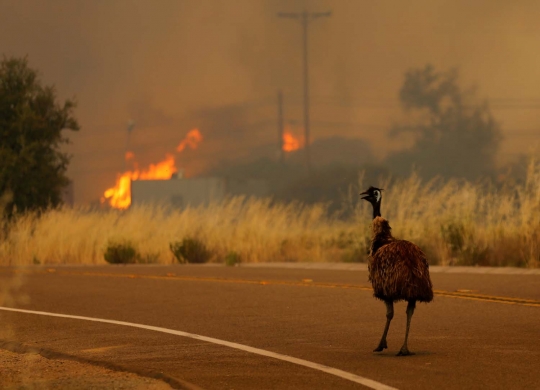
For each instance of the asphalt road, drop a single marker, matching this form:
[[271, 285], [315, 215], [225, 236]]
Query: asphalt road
[[481, 331]]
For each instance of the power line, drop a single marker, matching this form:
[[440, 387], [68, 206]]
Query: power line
[[305, 17]]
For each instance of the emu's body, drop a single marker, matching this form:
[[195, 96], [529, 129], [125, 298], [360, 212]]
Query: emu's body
[[398, 270]]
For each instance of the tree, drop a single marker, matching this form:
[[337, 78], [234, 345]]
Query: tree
[[453, 136], [32, 168]]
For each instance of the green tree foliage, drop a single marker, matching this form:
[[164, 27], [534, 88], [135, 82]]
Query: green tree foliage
[[454, 137], [32, 168]]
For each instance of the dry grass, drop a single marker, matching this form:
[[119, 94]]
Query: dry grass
[[460, 223], [455, 222], [256, 229]]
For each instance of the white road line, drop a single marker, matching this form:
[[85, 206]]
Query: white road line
[[320, 367]]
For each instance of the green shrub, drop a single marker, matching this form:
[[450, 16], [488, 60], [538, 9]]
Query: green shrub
[[175, 248], [453, 234], [464, 249], [190, 250], [149, 258], [121, 253], [354, 247], [232, 259], [474, 256]]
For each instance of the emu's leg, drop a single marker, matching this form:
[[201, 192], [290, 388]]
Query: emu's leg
[[389, 316], [410, 310]]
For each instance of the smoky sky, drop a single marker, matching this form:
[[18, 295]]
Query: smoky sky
[[171, 65]]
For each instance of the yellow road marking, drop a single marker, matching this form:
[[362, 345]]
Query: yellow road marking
[[103, 349], [303, 283]]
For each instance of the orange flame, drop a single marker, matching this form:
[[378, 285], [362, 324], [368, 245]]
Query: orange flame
[[193, 138], [119, 196], [290, 142]]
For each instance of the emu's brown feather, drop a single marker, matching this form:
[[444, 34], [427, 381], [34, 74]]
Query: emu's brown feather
[[398, 269]]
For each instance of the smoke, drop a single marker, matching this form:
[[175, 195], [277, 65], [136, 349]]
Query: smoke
[[10, 296], [174, 65]]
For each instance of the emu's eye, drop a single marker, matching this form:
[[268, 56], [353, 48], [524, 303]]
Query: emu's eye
[[377, 194]]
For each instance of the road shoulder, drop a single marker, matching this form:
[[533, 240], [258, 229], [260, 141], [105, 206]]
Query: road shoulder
[[29, 369]]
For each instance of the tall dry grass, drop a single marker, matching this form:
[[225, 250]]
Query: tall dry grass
[[461, 223], [256, 229], [454, 222]]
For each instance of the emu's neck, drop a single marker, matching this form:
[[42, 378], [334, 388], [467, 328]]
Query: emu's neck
[[376, 209], [381, 234]]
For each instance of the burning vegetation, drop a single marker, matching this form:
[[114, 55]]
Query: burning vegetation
[[193, 138], [119, 196], [290, 141]]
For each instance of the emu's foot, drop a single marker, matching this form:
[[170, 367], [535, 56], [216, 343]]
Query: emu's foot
[[382, 346], [404, 351]]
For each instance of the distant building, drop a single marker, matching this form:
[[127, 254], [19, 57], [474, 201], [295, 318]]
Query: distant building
[[180, 192]]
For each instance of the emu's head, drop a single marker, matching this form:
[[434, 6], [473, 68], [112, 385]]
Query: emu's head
[[374, 196]]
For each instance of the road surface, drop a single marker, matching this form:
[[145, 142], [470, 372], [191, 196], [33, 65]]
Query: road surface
[[292, 328]]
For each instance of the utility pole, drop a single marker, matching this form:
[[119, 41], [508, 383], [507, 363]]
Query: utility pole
[[305, 17], [280, 126]]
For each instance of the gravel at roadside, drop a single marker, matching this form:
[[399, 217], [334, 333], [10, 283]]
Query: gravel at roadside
[[33, 371]]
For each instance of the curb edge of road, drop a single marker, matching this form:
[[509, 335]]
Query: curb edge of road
[[432, 269]]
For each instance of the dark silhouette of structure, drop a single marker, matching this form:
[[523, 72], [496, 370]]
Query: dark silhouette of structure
[[398, 270]]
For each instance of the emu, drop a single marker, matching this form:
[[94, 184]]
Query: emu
[[398, 270]]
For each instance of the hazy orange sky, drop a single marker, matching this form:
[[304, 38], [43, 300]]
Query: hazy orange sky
[[172, 65]]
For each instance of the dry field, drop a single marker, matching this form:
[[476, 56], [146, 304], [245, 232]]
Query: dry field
[[455, 222]]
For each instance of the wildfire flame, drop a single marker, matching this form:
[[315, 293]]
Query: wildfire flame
[[290, 141], [192, 140], [119, 196]]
